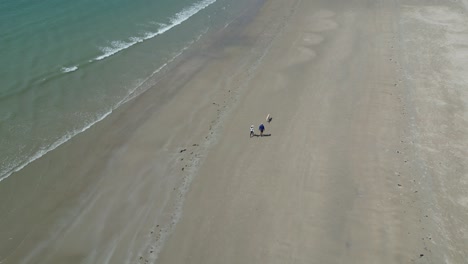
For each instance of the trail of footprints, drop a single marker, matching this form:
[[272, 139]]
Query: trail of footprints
[[411, 184], [188, 159]]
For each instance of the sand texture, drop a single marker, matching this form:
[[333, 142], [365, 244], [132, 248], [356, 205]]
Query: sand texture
[[365, 159]]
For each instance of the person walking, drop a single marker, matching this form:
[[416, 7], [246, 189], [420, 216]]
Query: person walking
[[252, 132], [261, 128]]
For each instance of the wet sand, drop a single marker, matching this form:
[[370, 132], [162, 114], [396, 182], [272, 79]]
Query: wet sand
[[365, 162]]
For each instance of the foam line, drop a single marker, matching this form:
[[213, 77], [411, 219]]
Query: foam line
[[69, 69]]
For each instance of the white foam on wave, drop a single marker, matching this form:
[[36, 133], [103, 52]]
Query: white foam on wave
[[177, 19], [69, 69], [115, 47]]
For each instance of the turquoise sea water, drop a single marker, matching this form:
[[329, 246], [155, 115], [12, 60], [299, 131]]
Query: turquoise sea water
[[65, 65]]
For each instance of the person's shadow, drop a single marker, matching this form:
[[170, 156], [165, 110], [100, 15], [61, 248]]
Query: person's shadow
[[264, 135]]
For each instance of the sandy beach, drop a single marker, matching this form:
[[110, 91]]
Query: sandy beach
[[365, 159]]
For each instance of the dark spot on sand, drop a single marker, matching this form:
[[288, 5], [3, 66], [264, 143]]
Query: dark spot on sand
[[182, 168], [195, 145], [421, 255], [182, 150], [399, 185]]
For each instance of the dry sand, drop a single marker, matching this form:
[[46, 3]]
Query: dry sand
[[366, 161]]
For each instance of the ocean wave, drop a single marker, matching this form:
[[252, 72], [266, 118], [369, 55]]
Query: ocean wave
[[69, 69], [177, 19]]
